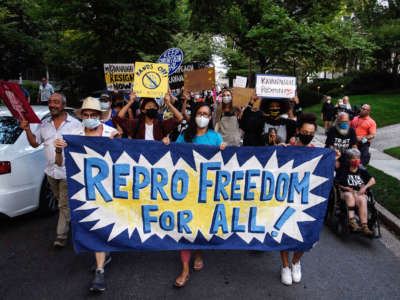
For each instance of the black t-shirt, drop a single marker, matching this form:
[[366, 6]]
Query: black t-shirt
[[341, 142], [353, 180]]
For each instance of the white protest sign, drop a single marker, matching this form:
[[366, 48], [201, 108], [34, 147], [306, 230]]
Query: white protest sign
[[240, 81], [275, 86]]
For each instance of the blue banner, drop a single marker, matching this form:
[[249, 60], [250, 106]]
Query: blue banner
[[142, 195]]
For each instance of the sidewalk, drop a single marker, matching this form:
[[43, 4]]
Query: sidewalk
[[379, 159]]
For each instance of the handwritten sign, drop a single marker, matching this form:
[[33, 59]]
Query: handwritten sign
[[275, 86], [240, 81], [151, 79], [200, 80], [119, 76], [241, 96]]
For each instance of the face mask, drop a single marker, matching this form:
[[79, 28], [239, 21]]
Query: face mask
[[343, 125], [274, 113], [202, 122], [227, 99], [328, 101], [151, 113], [91, 123], [355, 162], [120, 104], [305, 139], [104, 105]]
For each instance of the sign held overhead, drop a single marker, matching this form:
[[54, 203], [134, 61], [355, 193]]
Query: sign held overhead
[[275, 86], [200, 80], [151, 79]]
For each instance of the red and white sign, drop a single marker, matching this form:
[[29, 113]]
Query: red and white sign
[[14, 99]]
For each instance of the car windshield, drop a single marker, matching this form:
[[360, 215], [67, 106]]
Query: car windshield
[[9, 130]]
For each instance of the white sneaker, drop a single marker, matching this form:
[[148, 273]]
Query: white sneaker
[[296, 272], [286, 276]]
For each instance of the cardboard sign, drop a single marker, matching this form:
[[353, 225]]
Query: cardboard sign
[[14, 99], [240, 81], [176, 80], [119, 76], [200, 80], [173, 57], [241, 96], [151, 79], [275, 86]]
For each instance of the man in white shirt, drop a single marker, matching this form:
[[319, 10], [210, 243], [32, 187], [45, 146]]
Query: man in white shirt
[[53, 127], [45, 91]]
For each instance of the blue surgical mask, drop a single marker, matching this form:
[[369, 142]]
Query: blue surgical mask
[[343, 125], [91, 123], [104, 105]]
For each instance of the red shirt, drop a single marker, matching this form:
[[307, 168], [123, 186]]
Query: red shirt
[[363, 126]]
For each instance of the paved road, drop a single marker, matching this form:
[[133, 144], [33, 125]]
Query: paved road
[[357, 268]]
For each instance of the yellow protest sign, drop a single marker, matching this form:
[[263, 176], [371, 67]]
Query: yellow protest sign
[[151, 79], [119, 76]]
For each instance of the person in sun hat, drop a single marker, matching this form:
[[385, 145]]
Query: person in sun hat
[[91, 114]]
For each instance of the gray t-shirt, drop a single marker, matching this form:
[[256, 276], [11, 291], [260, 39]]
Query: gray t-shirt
[[45, 92]]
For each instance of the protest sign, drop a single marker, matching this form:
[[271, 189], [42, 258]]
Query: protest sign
[[173, 57], [151, 79], [240, 82], [142, 195], [120, 76], [176, 80], [241, 96], [275, 86], [14, 98], [200, 80]]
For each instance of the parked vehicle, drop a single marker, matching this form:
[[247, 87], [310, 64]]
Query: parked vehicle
[[23, 184]]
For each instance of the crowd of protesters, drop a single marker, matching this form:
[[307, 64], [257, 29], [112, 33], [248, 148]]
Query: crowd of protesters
[[208, 118]]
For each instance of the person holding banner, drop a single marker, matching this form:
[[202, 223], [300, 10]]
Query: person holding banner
[[199, 131], [148, 126], [55, 126], [306, 127], [227, 123], [91, 113], [252, 124]]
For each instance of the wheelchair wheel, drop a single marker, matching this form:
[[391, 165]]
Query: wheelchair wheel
[[373, 216], [342, 225]]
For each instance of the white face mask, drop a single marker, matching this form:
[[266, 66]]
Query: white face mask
[[104, 105], [91, 123], [202, 121], [328, 101], [227, 99]]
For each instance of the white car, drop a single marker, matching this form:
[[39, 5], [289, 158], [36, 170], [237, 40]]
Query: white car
[[23, 184]]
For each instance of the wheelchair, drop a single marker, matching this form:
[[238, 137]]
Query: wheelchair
[[337, 214]]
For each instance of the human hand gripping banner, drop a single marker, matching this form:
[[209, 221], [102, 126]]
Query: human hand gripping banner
[[142, 195]]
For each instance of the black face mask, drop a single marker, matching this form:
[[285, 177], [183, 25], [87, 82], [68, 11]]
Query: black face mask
[[305, 139], [118, 105], [151, 113]]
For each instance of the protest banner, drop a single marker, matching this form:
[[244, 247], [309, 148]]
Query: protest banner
[[142, 195], [119, 76], [275, 86], [241, 96], [151, 79], [173, 57], [200, 80], [14, 98], [240, 82]]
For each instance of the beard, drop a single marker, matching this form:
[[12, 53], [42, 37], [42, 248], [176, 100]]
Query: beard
[[342, 131]]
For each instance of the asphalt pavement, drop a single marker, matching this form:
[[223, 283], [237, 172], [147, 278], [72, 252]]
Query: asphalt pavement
[[355, 268]]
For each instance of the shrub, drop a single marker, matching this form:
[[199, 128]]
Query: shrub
[[33, 89]]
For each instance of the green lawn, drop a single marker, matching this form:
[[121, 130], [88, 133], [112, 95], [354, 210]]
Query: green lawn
[[385, 108], [395, 152], [386, 190]]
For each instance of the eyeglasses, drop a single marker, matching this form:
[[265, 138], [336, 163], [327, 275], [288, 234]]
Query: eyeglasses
[[91, 116], [200, 114]]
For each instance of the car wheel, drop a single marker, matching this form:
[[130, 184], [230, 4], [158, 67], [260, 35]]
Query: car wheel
[[48, 203]]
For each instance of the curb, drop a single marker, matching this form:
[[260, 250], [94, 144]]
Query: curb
[[390, 220]]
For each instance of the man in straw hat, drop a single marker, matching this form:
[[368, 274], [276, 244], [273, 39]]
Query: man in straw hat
[[91, 114]]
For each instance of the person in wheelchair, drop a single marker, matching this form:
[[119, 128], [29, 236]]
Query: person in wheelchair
[[353, 183]]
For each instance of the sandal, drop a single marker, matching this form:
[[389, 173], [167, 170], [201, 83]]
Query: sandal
[[198, 264], [180, 284]]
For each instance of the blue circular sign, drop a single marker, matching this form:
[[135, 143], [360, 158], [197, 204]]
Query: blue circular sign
[[173, 57]]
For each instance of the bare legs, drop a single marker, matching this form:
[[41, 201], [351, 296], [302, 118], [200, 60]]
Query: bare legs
[[285, 258], [185, 259]]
